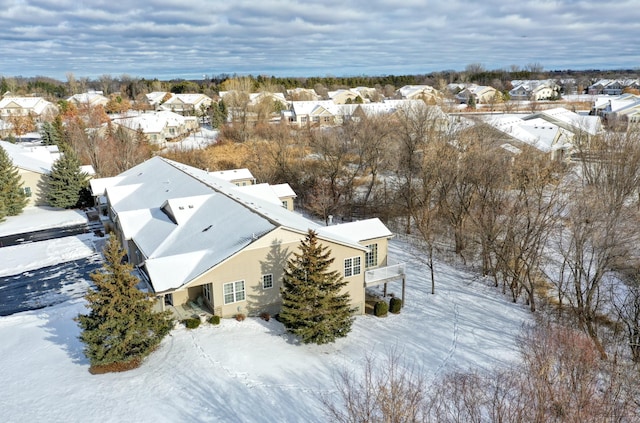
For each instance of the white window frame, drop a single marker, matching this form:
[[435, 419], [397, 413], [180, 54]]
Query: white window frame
[[371, 256], [234, 289], [267, 281], [352, 266]]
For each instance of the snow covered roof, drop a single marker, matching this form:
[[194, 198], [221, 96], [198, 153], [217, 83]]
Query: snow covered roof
[[151, 122], [283, 190], [36, 105], [233, 174], [537, 133], [265, 192], [186, 220], [361, 230], [569, 120], [99, 185], [91, 97], [37, 159]]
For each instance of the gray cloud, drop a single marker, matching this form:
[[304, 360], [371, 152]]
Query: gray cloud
[[176, 38]]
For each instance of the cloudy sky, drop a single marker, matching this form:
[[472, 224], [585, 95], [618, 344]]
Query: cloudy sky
[[191, 38]]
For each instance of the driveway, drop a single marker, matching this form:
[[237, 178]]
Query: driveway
[[47, 286], [42, 235]]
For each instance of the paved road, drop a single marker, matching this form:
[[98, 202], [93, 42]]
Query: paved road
[[47, 286], [42, 235]]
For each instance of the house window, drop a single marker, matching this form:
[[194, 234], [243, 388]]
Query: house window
[[168, 299], [233, 292], [27, 191], [303, 119], [285, 204], [351, 266], [371, 256], [267, 281]]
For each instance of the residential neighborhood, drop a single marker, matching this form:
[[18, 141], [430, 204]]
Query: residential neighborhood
[[322, 218]]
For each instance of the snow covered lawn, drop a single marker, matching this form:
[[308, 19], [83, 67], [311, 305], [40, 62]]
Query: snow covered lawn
[[248, 371], [37, 218]]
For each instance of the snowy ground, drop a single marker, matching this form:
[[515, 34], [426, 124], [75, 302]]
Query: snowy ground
[[203, 138], [247, 371], [37, 218]]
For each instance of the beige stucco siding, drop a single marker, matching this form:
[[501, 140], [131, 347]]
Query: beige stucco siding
[[268, 256], [34, 181]]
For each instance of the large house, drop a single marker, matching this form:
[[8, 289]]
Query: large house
[[198, 238], [36, 107]]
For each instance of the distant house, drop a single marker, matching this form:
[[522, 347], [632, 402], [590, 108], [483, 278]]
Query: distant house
[[610, 86], [481, 94], [568, 120], [322, 112], [90, 98], [187, 104], [623, 109], [158, 127], [419, 92], [344, 96], [156, 98], [327, 113], [533, 90], [302, 94], [199, 239], [538, 133], [36, 107], [277, 98]]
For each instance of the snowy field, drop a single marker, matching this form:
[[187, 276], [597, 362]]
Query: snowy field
[[247, 371]]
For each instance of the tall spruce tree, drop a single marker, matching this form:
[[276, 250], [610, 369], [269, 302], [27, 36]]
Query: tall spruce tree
[[50, 134], [66, 182], [122, 327], [312, 306], [12, 197]]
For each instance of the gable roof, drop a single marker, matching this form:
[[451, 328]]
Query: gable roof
[[37, 159], [35, 104], [180, 244]]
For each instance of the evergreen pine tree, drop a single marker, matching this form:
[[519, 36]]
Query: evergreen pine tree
[[12, 197], [121, 328], [312, 306], [50, 134], [66, 181]]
